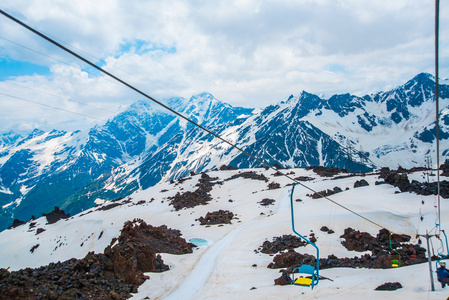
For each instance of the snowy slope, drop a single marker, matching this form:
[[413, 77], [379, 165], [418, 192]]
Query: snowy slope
[[224, 268]]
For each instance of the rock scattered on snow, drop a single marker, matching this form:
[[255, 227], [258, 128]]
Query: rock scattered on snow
[[360, 183], [326, 171], [216, 217], [281, 243], [200, 196], [325, 193], [274, 185], [248, 175], [266, 202], [389, 286]]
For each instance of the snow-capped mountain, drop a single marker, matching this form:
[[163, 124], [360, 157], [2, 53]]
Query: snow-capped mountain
[[145, 144]]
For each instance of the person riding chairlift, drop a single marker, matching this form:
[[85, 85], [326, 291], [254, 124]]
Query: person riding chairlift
[[443, 274]]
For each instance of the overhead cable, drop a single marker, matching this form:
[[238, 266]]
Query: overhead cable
[[179, 114]]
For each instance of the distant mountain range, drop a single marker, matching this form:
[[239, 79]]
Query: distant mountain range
[[145, 144]]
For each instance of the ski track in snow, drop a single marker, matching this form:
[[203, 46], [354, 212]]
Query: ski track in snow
[[197, 279]]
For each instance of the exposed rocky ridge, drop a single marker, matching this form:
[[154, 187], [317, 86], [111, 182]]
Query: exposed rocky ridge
[[112, 275]]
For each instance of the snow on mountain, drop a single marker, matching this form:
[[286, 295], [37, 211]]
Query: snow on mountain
[[228, 265], [145, 144]]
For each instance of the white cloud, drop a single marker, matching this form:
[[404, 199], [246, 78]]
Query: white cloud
[[247, 53]]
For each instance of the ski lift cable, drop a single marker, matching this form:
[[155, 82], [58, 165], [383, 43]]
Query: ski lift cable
[[179, 114]]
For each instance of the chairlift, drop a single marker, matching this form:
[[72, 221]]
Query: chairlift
[[311, 272], [396, 258], [442, 280]]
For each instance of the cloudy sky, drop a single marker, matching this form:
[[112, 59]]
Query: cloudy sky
[[245, 52]]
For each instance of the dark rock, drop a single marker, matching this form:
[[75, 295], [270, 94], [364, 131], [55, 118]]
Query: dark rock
[[389, 286], [381, 257], [326, 171], [16, 223], [113, 275], [325, 193], [287, 241], [445, 168], [200, 196], [360, 183], [285, 278], [226, 168], [267, 201], [273, 186], [304, 178], [324, 229], [217, 217], [249, 175], [291, 259], [34, 248], [109, 206], [56, 215]]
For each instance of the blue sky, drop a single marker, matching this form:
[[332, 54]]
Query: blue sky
[[249, 53], [12, 68]]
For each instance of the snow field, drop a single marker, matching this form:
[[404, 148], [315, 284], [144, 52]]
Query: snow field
[[223, 269]]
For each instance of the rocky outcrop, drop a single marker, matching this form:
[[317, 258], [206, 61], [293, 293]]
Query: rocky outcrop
[[274, 185], [248, 175], [16, 223], [281, 243], [56, 215], [325, 193], [285, 278], [200, 196], [400, 179], [360, 183], [216, 217], [113, 274], [389, 286], [326, 171], [266, 202]]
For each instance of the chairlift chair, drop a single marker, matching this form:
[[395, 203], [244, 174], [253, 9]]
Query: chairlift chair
[[305, 281], [442, 257], [305, 269]]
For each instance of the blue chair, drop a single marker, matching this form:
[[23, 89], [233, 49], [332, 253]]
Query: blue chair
[[306, 281]]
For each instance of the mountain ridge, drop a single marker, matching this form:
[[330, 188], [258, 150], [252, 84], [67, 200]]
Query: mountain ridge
[[144, 144]]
